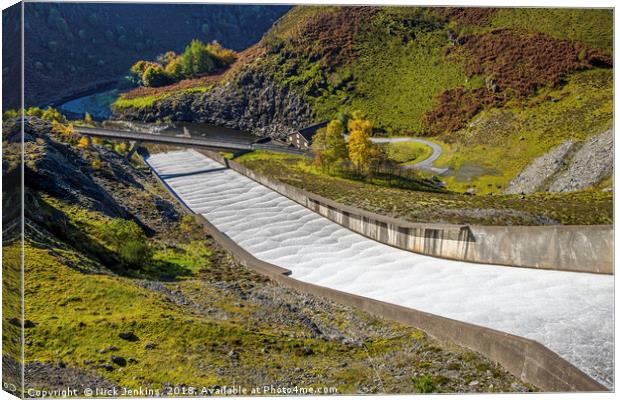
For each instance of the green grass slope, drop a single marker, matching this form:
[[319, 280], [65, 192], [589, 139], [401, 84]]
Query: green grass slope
[[392, 62]]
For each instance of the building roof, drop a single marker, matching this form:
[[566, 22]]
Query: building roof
[[309, 131]]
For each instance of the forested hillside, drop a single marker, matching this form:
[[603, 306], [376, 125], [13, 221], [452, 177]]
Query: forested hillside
[[72, 46]]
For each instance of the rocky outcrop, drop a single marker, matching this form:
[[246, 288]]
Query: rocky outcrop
[[253, 102], [589, 165], [568, 167], [542, 168]]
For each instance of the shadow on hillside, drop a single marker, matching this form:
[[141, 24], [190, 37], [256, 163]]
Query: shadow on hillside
[[51, 228]]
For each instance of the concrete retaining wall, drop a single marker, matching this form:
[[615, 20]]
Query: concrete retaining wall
[[582, 248], [524, 358]]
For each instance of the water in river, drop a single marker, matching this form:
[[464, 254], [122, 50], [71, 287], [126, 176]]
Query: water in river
[[97, 105]]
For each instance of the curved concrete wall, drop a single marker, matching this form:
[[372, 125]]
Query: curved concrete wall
[[580, 248], [527, 359]]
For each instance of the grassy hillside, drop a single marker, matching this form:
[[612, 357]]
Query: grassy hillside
[[497, 87], [423, 205], [505, 139], [394, 62]]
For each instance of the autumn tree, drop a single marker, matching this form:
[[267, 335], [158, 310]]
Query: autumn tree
[[140, 67], [360, 147], [174, 69], [223, 56]]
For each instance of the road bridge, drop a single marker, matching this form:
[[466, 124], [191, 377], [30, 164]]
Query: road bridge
[[228, 144]]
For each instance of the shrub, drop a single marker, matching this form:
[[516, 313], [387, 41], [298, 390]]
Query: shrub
[[61, 129], [140, 67], [128, 240], [88, 119], [423, 384], [83, 143], [96, 164], [120, 148], [155, 76], [53, 115], [223, 57], [34, 112], [9, 114]]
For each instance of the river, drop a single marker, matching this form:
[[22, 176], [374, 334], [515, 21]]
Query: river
[[98, 105]]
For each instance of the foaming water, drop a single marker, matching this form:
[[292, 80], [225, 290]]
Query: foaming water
[[570, 313]]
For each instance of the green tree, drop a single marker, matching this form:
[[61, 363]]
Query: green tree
[[336, 144], [128, 240], [88, 119], [319, 146], [155, 76], [197, 59], [329, 145]]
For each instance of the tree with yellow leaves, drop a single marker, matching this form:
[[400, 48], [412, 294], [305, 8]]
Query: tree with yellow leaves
[[360, 147]]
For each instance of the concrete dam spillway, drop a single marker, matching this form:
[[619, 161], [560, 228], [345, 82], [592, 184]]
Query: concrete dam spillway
[[570, 313]]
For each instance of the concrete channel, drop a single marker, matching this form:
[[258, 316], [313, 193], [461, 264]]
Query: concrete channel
[[569, 313]]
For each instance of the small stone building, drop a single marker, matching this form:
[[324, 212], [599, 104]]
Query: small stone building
[[302, 139]]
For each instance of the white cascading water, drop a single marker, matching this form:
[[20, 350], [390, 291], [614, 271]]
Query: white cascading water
[[570, 313]]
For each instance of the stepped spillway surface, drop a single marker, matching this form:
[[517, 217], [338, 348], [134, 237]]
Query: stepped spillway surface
[[570, 313]]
